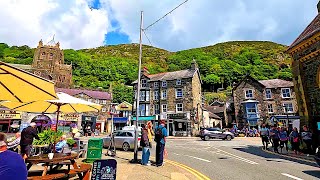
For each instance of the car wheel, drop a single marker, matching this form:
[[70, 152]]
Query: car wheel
[[228, 138], [126, 146], [206, 138]]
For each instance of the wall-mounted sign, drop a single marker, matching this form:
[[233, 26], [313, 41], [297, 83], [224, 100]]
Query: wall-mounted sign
[[104, 169], [10, 116], [177, 116]]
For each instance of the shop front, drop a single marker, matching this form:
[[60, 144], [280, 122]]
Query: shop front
[[9, 121], [88, 120], [68, 121], [178, 124], [101, 123], [118, 122], [145, 119]]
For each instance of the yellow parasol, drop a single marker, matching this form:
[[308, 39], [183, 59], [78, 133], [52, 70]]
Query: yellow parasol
[[65, 104], [22, 86]]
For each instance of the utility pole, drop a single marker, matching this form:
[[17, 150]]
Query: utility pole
[[135, 157]]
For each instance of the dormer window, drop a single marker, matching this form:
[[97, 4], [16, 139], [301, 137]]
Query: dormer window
[[143, 83], [178, 82], [164, 83], [249, 94]]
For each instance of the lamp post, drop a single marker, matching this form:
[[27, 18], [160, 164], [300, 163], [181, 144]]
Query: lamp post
[[135, 157]]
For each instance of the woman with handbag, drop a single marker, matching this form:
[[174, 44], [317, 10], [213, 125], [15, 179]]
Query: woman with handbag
[[295, 140]]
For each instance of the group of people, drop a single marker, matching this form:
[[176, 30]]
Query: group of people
[[281, 137], [160, 133]]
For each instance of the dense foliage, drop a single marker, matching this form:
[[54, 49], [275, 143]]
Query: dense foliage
[[220, 65]]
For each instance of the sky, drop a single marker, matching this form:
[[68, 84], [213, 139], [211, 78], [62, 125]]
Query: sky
[[82, 24]]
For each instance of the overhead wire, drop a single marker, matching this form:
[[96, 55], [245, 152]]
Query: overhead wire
[[165, 15]]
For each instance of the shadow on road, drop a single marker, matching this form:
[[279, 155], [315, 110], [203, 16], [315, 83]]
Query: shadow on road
[[313, 173], [259, 152]]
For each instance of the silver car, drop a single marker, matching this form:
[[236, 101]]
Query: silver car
[[216, 133], [124, 140]]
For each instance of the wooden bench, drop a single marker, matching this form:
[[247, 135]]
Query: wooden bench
[[48, 177], [84, 168]]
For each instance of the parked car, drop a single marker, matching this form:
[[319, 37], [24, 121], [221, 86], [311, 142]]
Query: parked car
[[123, 140], [317, 156], [216, 133]]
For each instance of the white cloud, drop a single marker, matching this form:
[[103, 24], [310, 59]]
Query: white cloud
[[72, 22], [205, 22], [196, 23]]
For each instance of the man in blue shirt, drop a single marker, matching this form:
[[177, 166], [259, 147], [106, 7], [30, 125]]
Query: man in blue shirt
[[12, 166], [160, 137]]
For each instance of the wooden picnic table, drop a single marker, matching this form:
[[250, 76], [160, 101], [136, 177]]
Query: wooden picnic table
[[57, 158]]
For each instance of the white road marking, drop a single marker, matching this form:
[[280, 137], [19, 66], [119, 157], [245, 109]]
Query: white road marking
[[290, 176], [193, 157], [235, 156]]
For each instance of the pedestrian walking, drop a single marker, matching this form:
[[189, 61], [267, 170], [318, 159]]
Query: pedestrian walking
[[283, 135], [274, 135], [160, 138], [12, 166], [145, 144], [26, 141], [306, 137], [295, 140], [264, 134]]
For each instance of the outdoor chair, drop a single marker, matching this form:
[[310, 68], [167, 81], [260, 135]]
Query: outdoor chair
[[48, 177]]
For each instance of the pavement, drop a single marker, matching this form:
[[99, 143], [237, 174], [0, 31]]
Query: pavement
[[127, 170]]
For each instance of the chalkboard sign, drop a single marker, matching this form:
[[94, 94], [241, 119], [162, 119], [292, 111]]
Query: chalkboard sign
[[104, 169]]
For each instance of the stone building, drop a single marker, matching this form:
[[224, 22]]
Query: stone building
[[95, 119], [48, 62], [305, 53], [173, 96], [261, 101]]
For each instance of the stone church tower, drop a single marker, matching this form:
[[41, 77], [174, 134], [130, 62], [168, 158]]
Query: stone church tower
[[305, 52], [48, 62]]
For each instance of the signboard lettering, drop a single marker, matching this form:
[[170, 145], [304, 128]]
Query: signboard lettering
[[105, 169]]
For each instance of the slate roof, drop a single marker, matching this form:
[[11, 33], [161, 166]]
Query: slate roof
[[167, 76], [212, 115], [91, 93], [276, 83], [215, 109], [311, 29]]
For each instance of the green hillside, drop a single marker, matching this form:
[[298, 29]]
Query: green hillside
[[220, 65]]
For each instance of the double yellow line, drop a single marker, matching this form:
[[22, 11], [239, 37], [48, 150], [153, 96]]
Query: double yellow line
[[196, 173]]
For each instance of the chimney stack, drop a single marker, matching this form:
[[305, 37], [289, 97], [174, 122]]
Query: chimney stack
[[194, 65]]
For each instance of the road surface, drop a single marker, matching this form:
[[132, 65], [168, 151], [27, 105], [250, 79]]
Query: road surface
[[241, 158]]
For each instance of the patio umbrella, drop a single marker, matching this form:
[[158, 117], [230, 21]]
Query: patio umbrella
[[22, 86], [65, 103]]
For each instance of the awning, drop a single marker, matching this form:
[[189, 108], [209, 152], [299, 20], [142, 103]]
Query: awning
[[145, 118], [119, 119], [278, 117]]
